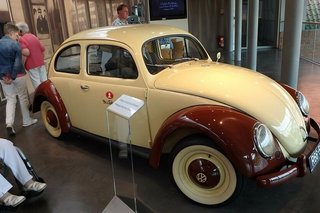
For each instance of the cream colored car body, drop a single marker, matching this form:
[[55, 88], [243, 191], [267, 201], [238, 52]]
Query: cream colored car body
[[183, 85]]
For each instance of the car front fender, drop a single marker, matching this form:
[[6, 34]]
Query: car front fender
[[47, 91], [290, 90], [230, 130]]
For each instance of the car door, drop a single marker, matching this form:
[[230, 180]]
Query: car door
[[108, 71]]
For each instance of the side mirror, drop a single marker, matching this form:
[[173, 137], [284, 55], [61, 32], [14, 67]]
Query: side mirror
[[218, 56]]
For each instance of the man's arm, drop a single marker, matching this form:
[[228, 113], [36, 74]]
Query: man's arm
[[25, 50], [17, 66], [25, 53]]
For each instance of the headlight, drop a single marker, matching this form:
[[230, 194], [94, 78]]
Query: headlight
[[303, 103], [264, 140]]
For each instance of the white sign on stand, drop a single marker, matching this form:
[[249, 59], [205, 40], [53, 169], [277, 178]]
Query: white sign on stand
[[125, 107]]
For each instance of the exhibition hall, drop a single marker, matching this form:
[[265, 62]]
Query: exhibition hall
[[159, 106]]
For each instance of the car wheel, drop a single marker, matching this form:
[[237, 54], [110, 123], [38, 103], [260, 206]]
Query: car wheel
[[203, 173], [50, 119]]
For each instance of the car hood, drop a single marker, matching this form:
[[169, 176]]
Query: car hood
[[243, 89]]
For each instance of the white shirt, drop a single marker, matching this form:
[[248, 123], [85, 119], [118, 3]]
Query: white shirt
[[119, 22]]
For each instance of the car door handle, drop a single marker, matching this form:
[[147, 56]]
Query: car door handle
[[84, 87]]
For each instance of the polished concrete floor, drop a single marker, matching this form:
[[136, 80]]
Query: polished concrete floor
[[79, 174]]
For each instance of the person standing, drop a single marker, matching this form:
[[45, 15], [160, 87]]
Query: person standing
[[11, 158], [33, 50], [123, 13], [12, 78]]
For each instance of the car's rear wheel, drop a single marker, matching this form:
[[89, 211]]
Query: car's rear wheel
[[203, 173], [50, 119]]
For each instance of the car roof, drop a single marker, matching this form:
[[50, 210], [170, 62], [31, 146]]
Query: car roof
[[135, 34]]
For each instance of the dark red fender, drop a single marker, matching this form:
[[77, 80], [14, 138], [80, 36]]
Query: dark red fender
[[47, 91], [229, 129], [290, 90]]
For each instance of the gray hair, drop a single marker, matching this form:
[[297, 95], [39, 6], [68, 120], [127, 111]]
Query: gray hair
[[23, 27]]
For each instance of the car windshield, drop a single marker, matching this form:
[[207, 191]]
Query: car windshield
[[168, 51]]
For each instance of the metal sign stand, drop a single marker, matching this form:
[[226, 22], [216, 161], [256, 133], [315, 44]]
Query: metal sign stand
[[124, 107]]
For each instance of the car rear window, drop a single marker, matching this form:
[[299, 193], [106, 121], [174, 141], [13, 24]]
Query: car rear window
[[68, 60]]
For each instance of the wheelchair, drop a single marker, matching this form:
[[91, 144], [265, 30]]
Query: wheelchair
[[4, 170]]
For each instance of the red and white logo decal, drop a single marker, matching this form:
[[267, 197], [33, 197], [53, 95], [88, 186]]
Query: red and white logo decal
[[109, 95]]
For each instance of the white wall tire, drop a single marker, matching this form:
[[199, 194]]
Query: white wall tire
[[50, 119], [212, 183]]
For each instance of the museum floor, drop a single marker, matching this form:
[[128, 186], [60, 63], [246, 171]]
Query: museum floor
[[79, 177]]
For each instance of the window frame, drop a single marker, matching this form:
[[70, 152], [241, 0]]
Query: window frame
[[159, 62], [107, 73], [76, 72]]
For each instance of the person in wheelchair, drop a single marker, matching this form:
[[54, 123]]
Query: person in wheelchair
[[11, 158]]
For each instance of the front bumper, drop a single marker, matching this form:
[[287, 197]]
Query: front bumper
[[298, 169]]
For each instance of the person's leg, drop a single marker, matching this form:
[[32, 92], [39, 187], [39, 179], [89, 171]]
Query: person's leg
[[5, 186], [11, 158], [34, 75], [43, 73], [7, 199], [21, 87], [10, 94]]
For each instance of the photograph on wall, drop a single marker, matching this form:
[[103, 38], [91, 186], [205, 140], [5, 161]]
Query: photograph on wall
[[40, 20]]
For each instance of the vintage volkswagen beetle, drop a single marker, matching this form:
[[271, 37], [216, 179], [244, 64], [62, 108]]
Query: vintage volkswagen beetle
[[218, 122]]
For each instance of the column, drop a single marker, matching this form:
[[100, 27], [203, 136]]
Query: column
[[292, 42], [253, 18], [238, 30], [230, 26]]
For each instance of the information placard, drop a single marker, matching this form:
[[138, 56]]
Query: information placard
[[126, 106]]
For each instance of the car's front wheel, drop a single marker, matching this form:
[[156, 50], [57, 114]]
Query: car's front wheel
[[203, 173], [50, 119]]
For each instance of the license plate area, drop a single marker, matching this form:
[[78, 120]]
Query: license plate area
[[314, 158]]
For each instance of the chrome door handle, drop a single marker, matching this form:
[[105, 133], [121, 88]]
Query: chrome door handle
[[84, 87]]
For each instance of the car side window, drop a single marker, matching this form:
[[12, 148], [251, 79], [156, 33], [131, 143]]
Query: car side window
[[110, 61], [68, 60]]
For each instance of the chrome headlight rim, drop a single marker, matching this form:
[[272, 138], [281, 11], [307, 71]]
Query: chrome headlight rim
[[267, 142], [302, 103]]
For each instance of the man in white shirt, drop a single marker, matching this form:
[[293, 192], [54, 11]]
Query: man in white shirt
[[123, 13]]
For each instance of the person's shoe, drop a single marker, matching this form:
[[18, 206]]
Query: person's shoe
[[33, 189], [32, 121], [10, 131], [11, 200], [35, 186]]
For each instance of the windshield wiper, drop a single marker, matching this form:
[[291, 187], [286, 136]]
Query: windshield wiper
[[186, 59], [160, 65]]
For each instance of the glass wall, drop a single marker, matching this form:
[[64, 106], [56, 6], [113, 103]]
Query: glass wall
[[268, 22], [86, 14], [310, 38]]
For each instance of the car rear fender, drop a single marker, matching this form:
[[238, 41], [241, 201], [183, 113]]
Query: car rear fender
[[46, 91], [230, 130]]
